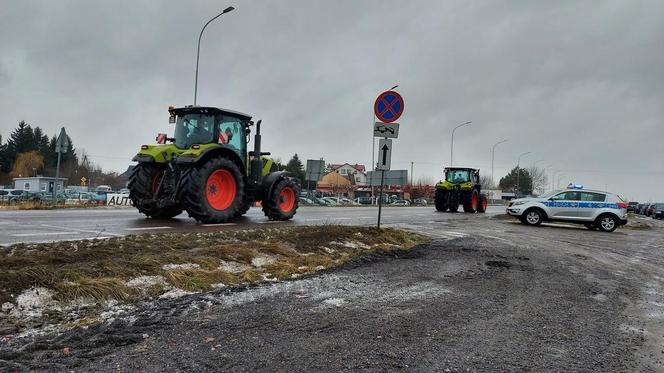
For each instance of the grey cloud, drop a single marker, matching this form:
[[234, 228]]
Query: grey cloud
[[578, 83]]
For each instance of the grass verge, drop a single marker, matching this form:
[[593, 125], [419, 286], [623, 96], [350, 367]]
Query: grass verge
[[141, 267]]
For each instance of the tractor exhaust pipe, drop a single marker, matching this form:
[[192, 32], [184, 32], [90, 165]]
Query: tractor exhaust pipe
[[255, 174]]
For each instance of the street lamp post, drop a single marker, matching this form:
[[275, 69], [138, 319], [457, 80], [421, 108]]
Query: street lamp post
[[452, 142], [373, 144], [493, 153], [198, 51], [518, 172]]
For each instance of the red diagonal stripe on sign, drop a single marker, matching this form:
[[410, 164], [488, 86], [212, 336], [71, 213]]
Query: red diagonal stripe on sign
[[388, 107]]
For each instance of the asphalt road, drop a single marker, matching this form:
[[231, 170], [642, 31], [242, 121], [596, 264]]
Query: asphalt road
[[76, 224], [486, 295]]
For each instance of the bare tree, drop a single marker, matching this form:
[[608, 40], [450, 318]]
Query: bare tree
[[539, 178], [486, 183], [424, 180]]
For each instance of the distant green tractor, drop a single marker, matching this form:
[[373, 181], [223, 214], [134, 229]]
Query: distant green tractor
[[461, 186], [208, 172]]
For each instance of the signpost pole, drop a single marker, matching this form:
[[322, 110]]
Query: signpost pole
[[380, 196], [57, 176]]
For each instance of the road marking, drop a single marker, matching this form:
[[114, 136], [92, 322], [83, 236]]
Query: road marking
[[146, 228], [270, 222], [343, 219], [99, 232], [313, 219], [218, 225], [42, 234]]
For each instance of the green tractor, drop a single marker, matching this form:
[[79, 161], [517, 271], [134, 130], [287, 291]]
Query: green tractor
[[460, 187], [207, 171]]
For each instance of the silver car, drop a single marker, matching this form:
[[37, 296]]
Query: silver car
[[592, 208]]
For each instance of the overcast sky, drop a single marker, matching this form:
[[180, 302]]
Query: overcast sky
[[578, 83]]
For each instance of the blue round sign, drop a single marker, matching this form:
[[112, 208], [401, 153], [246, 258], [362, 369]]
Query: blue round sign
[[388, 106]]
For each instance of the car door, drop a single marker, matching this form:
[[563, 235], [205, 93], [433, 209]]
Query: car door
[[590, 204], [564, 205]]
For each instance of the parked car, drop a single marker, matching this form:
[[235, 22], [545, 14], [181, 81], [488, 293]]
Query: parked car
[[123, 191], [104, 189], [420, 201], [306, 201], [401, 202], [657, 210], [631, 207], [649, 210]]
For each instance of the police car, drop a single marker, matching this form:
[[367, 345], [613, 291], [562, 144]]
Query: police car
[[594, 209]]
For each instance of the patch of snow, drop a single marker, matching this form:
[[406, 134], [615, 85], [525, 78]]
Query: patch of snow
[[328, 250], [33, 301], [233, 267], [144, 282], [351, 244], [218, 286], [262, 261], [302, 268], [172, 267], [320, 268], [6, 307], [338, 302], [266, 277], [175, 293]]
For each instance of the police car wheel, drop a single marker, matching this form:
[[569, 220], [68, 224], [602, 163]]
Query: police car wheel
[[607, 223], [533, 217]]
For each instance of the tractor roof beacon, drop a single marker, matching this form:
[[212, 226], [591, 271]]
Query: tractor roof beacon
[[460, 186], [207, 170]]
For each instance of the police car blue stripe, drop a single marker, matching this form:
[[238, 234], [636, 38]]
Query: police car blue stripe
[[584, 205]]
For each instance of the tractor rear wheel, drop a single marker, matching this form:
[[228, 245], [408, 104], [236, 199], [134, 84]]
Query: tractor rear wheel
[[282, 203], [214, 191], [144, 182], [471, 204], [441, 200], [481, 207]]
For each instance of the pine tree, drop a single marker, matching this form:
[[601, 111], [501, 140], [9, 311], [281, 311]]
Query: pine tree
[[4, 161], [296, 168], [509, 182]]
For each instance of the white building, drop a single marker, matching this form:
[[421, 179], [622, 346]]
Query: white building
[[356, 172], [39, 184]]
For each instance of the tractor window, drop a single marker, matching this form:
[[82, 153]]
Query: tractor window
[[458, 176], [231, 134], [193, 129]]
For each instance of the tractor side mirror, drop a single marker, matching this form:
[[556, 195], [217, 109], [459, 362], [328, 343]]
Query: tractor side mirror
[[161, 138]]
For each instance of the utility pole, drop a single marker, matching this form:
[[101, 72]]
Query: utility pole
[[198, 51], [411, 174], [452, 142]]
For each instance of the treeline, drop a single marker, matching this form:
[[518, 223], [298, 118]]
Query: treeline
[[29, 151]]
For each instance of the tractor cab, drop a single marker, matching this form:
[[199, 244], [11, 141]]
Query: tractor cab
[[209, 125], [462, 175]]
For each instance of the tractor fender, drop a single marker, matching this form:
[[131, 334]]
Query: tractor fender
[[218, 151], [269, 181]]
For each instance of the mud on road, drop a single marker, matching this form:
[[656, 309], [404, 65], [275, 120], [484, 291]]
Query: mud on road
[[499, 296]]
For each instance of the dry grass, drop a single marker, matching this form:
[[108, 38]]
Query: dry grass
[[99, 269]]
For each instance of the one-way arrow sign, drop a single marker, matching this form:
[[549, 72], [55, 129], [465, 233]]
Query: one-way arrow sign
[[384, 154]]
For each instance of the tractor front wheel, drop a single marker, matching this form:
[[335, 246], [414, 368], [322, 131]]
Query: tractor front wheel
[[143, 186], [214, 191], [282, 203], [441, 200], [453, 201]]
